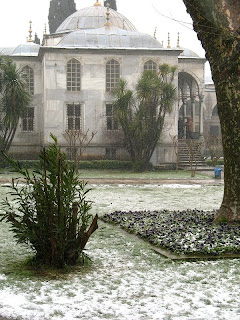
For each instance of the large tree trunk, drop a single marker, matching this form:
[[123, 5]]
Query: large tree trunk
[[217, 24]]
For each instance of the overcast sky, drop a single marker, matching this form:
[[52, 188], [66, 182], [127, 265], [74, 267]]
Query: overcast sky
[[167, 16]]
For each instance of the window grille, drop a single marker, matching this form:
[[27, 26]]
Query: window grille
[[112, 123], [28, 120], [73, 75], [112, 74], [74, 116], [28, 76]]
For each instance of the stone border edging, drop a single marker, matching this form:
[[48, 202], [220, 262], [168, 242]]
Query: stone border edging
[[177, 257]]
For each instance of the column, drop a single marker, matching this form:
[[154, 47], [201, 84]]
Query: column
[[201, 115], [184, 100], [193, 111]]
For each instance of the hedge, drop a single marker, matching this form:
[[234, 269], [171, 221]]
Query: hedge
[[91, 164]]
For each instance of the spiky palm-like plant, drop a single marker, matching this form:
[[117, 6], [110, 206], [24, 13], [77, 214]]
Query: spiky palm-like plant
[[141, 114], [13, 102]]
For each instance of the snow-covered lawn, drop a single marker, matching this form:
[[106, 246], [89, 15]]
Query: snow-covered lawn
[[126, 280]]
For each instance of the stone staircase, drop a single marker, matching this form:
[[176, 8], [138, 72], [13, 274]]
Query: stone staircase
[[187, 149]]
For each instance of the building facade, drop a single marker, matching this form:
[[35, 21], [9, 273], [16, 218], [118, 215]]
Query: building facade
[[71, 75]]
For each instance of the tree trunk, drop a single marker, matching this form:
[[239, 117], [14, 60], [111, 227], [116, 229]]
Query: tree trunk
[[218, 26], [228, 96]]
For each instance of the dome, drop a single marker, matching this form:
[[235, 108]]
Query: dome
[[94, 17], [6, 51], [26, 49], [188, 53], [109, 37]]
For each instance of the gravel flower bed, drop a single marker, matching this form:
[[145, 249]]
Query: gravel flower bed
[[185, 232]]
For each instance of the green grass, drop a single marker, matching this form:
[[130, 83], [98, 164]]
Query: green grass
[[117, 174], [121, 174]]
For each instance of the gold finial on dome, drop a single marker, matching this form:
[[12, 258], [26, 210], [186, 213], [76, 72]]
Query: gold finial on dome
[[44, 40], [154, 35], [97, 3], [169, 45], [108, 23], [30, 31], [178, 40], [45, 30]]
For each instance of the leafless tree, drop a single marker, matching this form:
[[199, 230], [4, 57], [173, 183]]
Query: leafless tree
[[194, 151], [176, 149], [213, 144], [78, 143]]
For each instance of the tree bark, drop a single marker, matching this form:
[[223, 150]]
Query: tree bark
[[217, 24]]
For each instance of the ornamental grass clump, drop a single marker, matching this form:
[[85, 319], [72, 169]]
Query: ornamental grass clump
[[49, 211]]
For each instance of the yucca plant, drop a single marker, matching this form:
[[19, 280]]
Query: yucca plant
[[141, 113], [14, 99], [49, 211]]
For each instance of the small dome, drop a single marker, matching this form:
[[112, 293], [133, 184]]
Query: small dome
[[188, 53], [109, 37], [6, 51], [26, 49], [93, 18]]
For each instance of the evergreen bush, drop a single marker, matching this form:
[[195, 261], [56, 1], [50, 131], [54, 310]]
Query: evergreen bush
[[83, 164], [106, 164], [220, 162], [49, 211]]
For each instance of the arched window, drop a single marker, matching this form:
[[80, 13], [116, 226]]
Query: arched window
[[28, 76], [73, 75], [112, 74], [150, 65]]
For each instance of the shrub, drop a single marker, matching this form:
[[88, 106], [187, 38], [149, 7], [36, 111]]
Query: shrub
[[106, 164], [83, 164], [50, 211], [25, 164], [220, 162]]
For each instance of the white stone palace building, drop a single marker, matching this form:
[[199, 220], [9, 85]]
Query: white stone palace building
[[71, 75]]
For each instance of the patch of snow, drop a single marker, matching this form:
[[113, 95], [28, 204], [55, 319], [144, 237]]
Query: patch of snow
[[3, 277], [127, 280], [109, 198]]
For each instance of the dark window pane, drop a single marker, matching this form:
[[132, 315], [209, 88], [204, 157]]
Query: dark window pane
[[24, 124], [109, 110], [70, 124], [70, 110], [77, 111], [115, 124], [77, 123], [109, 124]]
